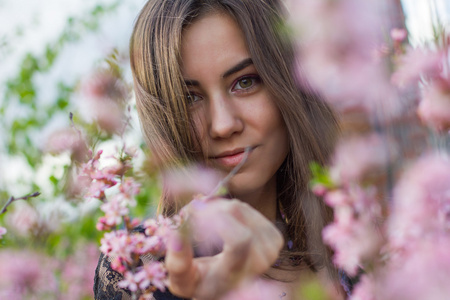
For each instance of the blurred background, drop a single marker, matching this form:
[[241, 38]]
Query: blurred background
[[55, 56]]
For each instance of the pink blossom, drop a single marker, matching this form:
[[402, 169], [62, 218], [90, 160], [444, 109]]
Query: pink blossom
[[434, 107], [24, 219], [151, 274], [104, 96], [77, 273], [3, 231], [154, 274], [354, 157], [337, 42], [398, 34], [319, 190], [26, 274], [97, 189], [420, 273], [365, 289], [129, 188], [117, 243], [67, 140], [421, 201], [416, 64], [353, 243], [354, 235], [114, 210], [190, 181], [129, 281]]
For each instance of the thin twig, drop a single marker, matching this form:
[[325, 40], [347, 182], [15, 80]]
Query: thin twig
[[12, 199], [233, 172]]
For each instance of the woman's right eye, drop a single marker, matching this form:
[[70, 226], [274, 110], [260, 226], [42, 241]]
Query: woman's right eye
[[192, 98]]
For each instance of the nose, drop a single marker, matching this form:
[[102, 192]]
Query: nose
[[225, 119]]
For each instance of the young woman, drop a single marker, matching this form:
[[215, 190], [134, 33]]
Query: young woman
[[212, 78]]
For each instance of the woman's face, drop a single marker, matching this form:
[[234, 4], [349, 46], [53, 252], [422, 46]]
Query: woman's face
[[231, 106]]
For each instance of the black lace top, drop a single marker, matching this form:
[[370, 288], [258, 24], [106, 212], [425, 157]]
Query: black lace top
[[106, 280]]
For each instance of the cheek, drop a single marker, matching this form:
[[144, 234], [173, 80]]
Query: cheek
[[199, 131]]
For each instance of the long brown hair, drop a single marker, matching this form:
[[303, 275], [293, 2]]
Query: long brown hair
[[162, 107]]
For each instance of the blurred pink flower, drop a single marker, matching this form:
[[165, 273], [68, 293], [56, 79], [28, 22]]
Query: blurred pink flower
[[191, 181], [422, 272], [354, 235], [67, 140], [365, 289], [354, 157], [3, 231], [26, 274], [24, 219], [129, 188], [398, 34], [434, 107], [421, 201], [77, 273], [416, 64], [105, 96], [338, 40], [129, 281], [354, 242]]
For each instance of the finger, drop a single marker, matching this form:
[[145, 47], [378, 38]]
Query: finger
[[183, 275], [263, 230]]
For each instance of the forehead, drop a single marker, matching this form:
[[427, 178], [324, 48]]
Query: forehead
[[213, 40]]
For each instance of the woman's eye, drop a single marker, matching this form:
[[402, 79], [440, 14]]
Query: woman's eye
[[192, 98], [245, 83]]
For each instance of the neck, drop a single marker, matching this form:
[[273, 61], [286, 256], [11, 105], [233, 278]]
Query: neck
[[263, 200]]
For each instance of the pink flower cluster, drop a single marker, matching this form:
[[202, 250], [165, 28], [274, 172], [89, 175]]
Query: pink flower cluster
[[427, 70], [126, 246], [101, 179], [417, 237], [354, 235], [339, 45]]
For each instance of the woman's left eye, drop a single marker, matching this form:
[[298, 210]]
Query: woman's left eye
[[245, 83]]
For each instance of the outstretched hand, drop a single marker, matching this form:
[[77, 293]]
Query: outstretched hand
[[251, 244]]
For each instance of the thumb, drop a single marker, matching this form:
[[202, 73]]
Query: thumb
[[180, 265]]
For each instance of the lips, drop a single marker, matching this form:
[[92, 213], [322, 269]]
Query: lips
[[230, 159]]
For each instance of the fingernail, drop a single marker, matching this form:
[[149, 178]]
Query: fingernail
[[175, 243]]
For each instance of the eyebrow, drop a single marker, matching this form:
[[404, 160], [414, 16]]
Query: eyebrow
[[238, 67], [242, 65]]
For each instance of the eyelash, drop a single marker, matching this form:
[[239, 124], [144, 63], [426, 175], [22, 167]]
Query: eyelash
[[255, 81]]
